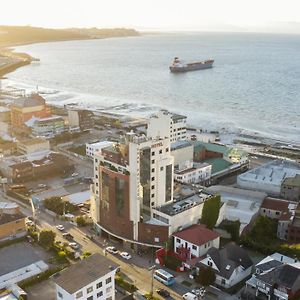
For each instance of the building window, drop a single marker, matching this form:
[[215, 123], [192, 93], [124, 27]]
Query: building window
[[194, 247], [161, 168], [152, 153], [152, 187], [79, 294], [160, 151], [89, 289], [178, 240], [152, 196], [167, 149], [108, 290], [153, 161], [153, 178], [108, 280], [99, 285], [59, 295], [152, 170], [100, 294]]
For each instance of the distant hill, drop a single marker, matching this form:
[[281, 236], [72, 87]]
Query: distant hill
[[18, 35]]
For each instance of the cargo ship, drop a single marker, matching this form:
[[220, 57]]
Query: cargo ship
[[179, 66]]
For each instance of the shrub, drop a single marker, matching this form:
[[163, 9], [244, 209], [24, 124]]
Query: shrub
[[172, 262], [125, 284], [46, 238], [206, 276], [80, 220]]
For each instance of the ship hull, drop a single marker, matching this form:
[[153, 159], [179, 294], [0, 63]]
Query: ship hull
[[191, 67]]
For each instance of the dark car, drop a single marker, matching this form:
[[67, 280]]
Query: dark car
[[68, 236], [162, 292]]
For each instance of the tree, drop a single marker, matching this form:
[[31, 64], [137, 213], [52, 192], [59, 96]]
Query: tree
[[57, 205], [210, 212], [206, 276], [46, 238], [264, 229], [80, 220]]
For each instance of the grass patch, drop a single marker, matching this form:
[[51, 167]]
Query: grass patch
[[81, 150], [186, 283]]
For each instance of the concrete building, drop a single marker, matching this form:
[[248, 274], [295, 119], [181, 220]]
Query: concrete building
[[81, 118], [24, 108], [12, 221], [290, 188], [231, 264], [33, 145], [46, 127], [194, 173], [242, 205], [4, 114], [184, 211], [130, 179], [195, 241], [269, 178], [185, 170], [90, 279], [167, 125], [92, 148]]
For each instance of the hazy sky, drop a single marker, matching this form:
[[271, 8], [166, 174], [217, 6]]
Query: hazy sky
[[144, 14]]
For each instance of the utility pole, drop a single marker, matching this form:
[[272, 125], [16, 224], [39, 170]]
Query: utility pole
[[152, 268]]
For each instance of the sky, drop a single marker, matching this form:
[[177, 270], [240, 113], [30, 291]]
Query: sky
[[229, 15]]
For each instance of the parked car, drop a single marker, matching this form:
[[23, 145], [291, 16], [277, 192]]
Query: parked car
[[162, 292], [74, 245], [125, 255], [189, 296], [112, 250], [74, 174], [60, 227], [68, 236], [42, 185]]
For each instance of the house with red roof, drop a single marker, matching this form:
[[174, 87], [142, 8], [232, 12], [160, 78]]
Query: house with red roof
[[195, 241]]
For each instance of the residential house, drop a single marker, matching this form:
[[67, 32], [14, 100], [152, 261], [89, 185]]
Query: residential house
[[231, 264], [195, 241], [290, 188], [276, 277], [90, 279]]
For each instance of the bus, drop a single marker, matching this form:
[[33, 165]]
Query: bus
[[164, 277]]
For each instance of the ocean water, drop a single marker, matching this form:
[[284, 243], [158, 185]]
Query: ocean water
[[254, 86]]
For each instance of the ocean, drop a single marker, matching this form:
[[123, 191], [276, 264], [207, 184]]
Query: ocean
[[253, 88]]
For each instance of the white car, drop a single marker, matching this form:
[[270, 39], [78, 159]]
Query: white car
[[112, 250], [189, 296], [125, 255], [74, 245], [42, 185], [60, 227], [74, 174]]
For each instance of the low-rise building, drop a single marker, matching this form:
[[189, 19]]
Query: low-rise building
[[195, 241], [12, 221], [290, 188], [194, 173], [92, 148], [90, 279], [33, 145], [231, 264], [269, 178], [276, 277], [81, 118]]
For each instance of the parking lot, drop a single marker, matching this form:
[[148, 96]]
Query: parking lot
[[19, 256]]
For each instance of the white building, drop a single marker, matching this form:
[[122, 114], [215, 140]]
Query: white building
[[165, 124], [183, 152], [193, 173], [90, 279], [195, 241], [92, 148], [268, 178], [231, 264]]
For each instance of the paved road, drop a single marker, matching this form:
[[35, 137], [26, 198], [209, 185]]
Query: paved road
[[135, 269]]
